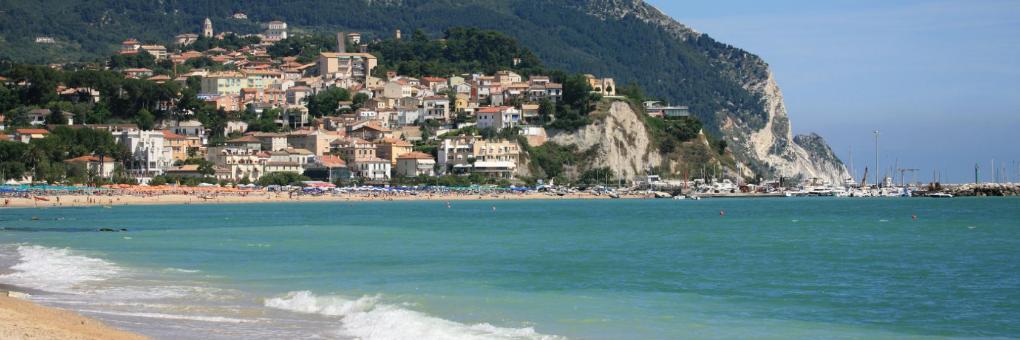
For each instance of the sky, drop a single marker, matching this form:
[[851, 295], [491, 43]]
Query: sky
[[940, 80]]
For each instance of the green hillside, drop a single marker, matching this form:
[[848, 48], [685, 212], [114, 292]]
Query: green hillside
[[560, 33]]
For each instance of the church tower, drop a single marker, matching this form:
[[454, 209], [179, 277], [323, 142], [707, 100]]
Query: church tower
[[207, 28]]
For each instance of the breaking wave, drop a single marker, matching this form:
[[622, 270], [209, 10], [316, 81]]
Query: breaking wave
[[57, 270], [366, 318]]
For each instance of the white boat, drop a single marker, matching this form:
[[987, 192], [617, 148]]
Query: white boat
[[940, 195]]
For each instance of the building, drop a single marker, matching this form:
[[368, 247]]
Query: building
[[500, 117], [464, 154], [360, 156], [27, 135], [185, 39], [150, 154], [354, 37], [137, 73], [391, 148], [368, 130], [414, 164], [353, 150], [355, 66], [38, 117], [656, 109], [245, 142], [316, 141], [207, 30], [262, 79], [436, 108], [101, 167], [271, 141], [191, 130], [288, 160], [603, 86], [158, 52], [179, 146], [328, 168], [231, 102], [496, 159], [295, 95], [234, 164], [235, 126], [130, 45], [224, 83], [276, 31]]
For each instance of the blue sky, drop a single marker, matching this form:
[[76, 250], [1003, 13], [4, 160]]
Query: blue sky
[[940, 79]]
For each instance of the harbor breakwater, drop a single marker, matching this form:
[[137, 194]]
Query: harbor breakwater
[[983, 189]]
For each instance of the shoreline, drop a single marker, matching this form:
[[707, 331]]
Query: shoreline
[[67, 201], [25, 319]]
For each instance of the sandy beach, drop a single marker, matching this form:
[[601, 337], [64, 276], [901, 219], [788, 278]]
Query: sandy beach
[[227, 197], [21, 319]]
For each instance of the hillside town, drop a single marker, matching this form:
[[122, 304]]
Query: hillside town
[[378, 132]]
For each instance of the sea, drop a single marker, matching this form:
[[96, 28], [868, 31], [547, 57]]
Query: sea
[[781, 268]]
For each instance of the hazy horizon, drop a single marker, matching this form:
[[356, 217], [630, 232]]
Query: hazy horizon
[[940, 79]]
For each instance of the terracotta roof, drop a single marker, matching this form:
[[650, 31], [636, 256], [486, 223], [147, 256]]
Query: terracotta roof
[[245, 139], [332, 161], [89, 158], [415, 155], [31, 131], [373, 126], [496, 109], [395, 141], [171, 135]]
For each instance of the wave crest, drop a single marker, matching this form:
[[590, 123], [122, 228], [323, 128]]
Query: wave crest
[[57, 270], [366, 318]]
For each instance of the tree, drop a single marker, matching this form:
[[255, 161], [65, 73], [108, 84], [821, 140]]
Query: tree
[[546, 111], [282, 178], [488, 133], [359, 100], [12, 170], [145, 120], [327, 102], [56, 117]]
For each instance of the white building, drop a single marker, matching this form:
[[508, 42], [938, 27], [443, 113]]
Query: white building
[[414, 164], [150, 154], [276, 31], [500, 117], [436, 108]]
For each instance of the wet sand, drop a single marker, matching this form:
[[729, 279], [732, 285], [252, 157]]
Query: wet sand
[[22, 319]]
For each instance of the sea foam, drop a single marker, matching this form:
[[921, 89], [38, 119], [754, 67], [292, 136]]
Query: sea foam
[[57, 270], [366, 318]]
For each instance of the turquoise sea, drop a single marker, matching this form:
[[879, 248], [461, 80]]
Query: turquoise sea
[[614, 269]]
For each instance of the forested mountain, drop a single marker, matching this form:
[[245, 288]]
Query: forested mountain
[[730, 90]]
